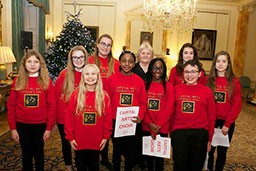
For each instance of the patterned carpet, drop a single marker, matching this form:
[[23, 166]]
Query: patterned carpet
[[241, 154]]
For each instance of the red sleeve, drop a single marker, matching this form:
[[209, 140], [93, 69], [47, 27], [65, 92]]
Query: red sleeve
[[91, 60], [11, 107], [202, 80], [169, 106], [51, 101], [142, 100], [70, 118], [116, 66], [172, 77], [236, 104], [59, 84], [211, 111], [108, 127]]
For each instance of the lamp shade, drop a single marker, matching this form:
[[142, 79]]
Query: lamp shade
[[6, 55]]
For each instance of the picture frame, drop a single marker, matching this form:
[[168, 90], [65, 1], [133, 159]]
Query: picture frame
[[94, 31], [205, 42], [146, 37]]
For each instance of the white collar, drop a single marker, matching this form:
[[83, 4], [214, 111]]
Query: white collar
[[34, 75], [79, 70]]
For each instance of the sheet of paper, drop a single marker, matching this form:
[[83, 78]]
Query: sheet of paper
[[160, 147], [219, 139], [124, 124]]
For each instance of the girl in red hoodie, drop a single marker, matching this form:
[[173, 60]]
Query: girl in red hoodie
[[31, 109], [187, 52], [126, 89], [88, 120], [108, 65], [227, 91], [193, 121], [160, 104], [67, 81]]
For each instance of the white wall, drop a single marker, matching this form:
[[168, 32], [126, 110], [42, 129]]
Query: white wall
[[250, 54]]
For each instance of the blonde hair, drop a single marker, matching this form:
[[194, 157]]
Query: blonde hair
[[111, 60], [145, 46], [69, 81], [22, 79], [99, 92]]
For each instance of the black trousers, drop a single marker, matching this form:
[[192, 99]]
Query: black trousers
[[123, 146], [221, 151], [189, 149], [87, 160], [32, 145], [66, 148], [104, 153], [154, 163]]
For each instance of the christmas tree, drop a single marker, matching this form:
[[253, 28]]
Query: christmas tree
[[73, 33]]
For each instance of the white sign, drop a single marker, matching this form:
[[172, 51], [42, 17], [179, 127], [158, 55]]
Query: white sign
[[124, 124], [219, 139], [160, 147]]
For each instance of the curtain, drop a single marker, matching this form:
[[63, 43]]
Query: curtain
[[43, 9], [41, 29], [43, 4], [17, 27]]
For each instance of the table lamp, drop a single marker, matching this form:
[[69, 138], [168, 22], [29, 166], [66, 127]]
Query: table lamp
[[6, 56]]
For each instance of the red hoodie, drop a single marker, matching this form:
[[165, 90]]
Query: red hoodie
[[88, 129], [176, 79], [160, 106], [127, 91], [104, 68], [226, 110], [60, 104], [194, 108], [31, 105]]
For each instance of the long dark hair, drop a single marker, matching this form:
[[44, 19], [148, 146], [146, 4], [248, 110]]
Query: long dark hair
[[150, 75], [179, 65], [230, 76]]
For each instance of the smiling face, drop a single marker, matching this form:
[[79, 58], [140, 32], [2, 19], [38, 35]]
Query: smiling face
[[145, 56], [221, 64], [32, 65], [157, 71], [188, 54], [104, 47], [90, 77], [191, 74], [78, 59], [127, 63]]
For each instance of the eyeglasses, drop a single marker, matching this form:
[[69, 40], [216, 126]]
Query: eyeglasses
[[156, 68], [104, 45], [191, 72], [78, 58]]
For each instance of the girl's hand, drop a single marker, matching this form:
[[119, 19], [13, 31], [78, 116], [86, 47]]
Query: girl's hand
[[47, 134], [15, 135], [103, 143], [155, 128], [224, 130], [209, 146], [73, 144], [136, 119], [153, 137]]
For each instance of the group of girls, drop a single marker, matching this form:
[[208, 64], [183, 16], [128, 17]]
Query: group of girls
[[89, 91]]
